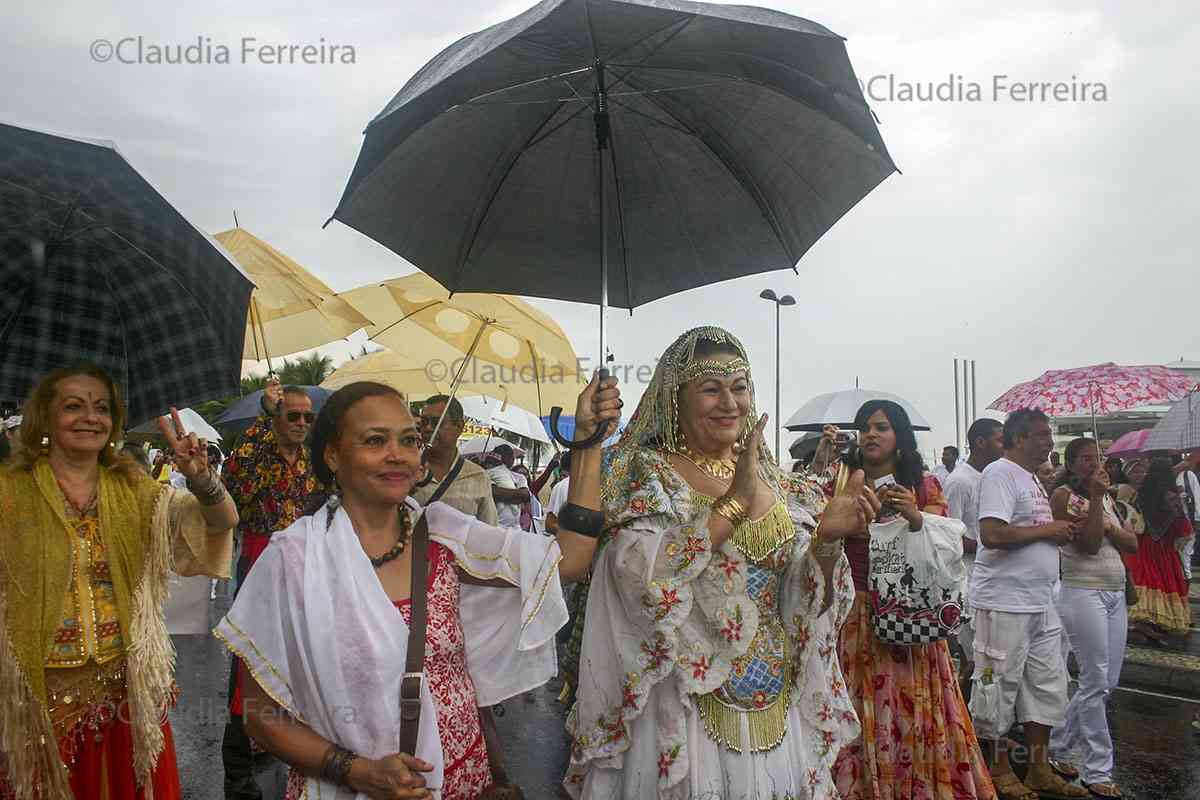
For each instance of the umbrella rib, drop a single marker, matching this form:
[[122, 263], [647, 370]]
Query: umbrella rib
[[654, 119], [683, 23], [469, 243], [746, 181], [404, 318], [475, 100], [545, 135], [612, 154]]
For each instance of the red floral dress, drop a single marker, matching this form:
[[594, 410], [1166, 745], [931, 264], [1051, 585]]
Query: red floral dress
[[467, 773]]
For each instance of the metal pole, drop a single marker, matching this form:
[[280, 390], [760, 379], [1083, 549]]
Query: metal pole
[[778, 455], [957, 419], [966, 408], [974, 396]]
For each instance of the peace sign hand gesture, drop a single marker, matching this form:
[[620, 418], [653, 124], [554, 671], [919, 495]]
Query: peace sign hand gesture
[[191, 452]]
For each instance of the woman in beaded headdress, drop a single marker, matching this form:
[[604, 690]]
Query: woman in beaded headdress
[[709, 656]]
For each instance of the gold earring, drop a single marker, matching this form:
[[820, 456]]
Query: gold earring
[[45, 443]]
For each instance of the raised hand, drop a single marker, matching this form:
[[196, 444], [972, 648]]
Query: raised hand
[[272, 399], [849, 513], [599, 404], [745, 474], [1098, 484], [191, 452]]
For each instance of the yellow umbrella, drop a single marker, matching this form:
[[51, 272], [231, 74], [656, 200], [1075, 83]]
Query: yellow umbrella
[[526, 344], [290, 310], [421, 379]]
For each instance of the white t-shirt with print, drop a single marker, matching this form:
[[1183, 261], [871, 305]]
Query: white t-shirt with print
[[1018, 581]]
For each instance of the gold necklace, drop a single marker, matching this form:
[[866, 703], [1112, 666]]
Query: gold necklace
[[720, 468]]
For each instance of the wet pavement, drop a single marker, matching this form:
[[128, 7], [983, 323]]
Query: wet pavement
[[1158, 752]]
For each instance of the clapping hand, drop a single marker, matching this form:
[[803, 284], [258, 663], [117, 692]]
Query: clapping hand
[[191, 452], [849, 513]]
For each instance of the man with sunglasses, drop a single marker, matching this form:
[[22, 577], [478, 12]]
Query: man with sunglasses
[[269, 476]]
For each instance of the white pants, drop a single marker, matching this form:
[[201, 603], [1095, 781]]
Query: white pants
[[1185, 552], [1097, 623], [1029, 678]]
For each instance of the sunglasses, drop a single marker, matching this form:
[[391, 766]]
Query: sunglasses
[[294, 416]]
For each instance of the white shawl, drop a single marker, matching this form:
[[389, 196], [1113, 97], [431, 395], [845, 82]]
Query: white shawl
[[314, 626]]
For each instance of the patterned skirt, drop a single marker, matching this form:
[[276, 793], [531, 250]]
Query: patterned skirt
[[917, 741], [101, 763], [1162, 588]]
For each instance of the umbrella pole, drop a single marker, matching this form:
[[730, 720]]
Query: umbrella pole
[[458, 379], [256, 312]]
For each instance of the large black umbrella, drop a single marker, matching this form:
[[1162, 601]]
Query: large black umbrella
[[692, 142], [95, 265]]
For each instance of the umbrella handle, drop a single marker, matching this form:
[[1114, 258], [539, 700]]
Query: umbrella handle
[[583, 444]]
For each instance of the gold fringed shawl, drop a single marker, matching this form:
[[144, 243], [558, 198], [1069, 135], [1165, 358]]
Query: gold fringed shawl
[[137, 523]]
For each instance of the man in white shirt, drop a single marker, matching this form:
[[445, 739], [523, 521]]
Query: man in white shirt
[[558, 495], [986, 440], [1189, 490], [1019, 668], [510, 490], [949, 461]]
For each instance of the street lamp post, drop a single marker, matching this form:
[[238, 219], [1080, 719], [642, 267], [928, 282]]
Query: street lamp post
[[786, 300]]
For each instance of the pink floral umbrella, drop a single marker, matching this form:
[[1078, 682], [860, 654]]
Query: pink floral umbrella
[[1131, 444], [1096, 390]]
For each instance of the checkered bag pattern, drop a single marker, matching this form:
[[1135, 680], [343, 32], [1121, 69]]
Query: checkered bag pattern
[[95, 265], [899, 628], [917, 580]]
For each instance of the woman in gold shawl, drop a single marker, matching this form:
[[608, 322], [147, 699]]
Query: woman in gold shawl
[[86, 543]]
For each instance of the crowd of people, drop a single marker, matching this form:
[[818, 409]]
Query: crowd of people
[[732, 630]]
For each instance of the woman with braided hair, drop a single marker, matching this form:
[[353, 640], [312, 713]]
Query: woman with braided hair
[[708, 665]]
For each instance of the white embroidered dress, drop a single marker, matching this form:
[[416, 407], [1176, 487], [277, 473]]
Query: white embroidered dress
[[674, 627]]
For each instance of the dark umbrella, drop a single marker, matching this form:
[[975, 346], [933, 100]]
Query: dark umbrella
[[721, 141], [250, 406], [95, 265]]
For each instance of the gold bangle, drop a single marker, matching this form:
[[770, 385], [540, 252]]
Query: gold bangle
[[824, 548], [731, 509]]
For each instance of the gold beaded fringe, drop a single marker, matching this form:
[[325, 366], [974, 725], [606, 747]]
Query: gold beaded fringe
[[768, 726], [758, 538]]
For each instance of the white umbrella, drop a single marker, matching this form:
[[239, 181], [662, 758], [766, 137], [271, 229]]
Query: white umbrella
[[839, 408], [192, 423], [493, 413], [486, 444], [1179, 429]]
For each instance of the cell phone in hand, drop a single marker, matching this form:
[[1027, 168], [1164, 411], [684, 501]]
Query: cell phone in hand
[[886, 509]]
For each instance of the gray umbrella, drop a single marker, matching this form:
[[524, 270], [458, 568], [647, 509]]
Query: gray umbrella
[[693, 142], [1179, 429], [96, 265], [839, 408]]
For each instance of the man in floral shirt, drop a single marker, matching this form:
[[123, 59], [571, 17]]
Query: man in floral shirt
[[269, 476]]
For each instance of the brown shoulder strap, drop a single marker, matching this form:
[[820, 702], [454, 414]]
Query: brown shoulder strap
[[414, 661]]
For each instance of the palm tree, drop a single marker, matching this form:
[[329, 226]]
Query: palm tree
[[307, 371]]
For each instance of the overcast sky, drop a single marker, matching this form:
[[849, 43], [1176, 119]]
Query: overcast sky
[[1025, 235]]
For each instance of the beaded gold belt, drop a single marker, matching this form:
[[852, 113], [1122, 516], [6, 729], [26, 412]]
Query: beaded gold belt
[[758, 689]]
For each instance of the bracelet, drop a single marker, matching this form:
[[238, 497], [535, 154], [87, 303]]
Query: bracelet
[[578, 519], [335, 767], [823, 547], [731, 509], [209, 489]]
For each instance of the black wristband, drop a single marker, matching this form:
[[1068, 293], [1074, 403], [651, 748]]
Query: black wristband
[[578, 519]]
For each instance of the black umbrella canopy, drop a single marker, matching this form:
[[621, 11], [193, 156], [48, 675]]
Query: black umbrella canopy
[[95, 265], [738, 136]]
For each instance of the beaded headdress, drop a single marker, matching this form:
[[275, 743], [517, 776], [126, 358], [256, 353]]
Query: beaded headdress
[[655, 424]]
